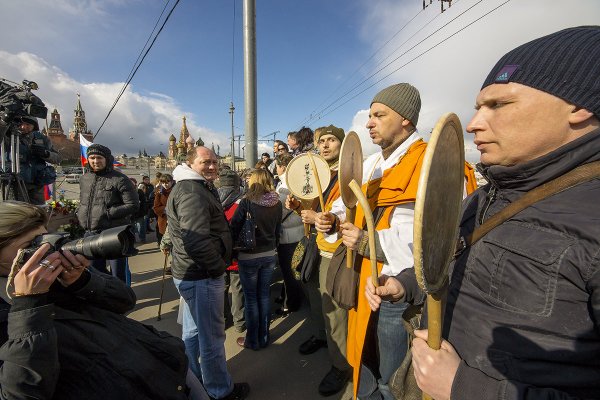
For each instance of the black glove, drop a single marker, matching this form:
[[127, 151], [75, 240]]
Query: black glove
[[39, 151]]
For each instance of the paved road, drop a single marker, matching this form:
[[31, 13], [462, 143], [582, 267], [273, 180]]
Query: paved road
[[277, 372]]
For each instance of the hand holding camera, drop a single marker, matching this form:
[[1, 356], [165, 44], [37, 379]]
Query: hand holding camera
[[38, 273], [74, 265]]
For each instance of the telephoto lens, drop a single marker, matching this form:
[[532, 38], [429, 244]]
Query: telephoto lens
[[109, 244]]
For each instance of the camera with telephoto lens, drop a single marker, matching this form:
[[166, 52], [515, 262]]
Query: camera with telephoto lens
[[109, 244]]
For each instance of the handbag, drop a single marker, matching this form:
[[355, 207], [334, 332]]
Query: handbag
[[342, 282], [247, 236], [403, 384], [306, 258]]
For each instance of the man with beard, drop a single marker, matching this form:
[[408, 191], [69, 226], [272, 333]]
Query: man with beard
[[522, 319]]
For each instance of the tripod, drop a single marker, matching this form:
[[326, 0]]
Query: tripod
[[12, 186]]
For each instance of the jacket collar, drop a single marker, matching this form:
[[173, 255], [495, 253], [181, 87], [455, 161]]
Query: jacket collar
[[529, 175]]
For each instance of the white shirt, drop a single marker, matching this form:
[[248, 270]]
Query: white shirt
[[396, 241]]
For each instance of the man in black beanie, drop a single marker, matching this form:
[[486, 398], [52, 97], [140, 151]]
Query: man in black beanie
[[107, 199], [522, 319]]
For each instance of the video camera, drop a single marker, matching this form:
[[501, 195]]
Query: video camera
[[109, 244], [17, 101]]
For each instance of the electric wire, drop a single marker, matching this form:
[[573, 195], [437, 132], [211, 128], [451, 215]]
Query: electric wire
[[320, 114], [361, 66], [416, 57], [132, 74]]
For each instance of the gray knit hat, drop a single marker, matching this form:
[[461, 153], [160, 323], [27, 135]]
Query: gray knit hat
[[565, 64], [402, 98]]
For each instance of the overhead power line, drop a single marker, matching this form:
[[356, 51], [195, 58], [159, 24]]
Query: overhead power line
[[361, 66], [322, 113], [139, 64], [418, 56]]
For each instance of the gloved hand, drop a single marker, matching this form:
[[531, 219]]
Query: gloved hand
[[39, 151]]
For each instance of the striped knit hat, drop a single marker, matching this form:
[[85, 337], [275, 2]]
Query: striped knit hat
[[565, 64]]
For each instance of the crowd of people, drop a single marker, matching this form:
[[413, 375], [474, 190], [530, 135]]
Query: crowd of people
[[522, 313]]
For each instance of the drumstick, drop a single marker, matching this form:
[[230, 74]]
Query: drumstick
[[362, 200], [316, 175]]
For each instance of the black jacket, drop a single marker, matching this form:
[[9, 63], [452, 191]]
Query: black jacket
[[75, 343], [143, 209], [523, 307], [267, 220], [107, 199], [199, 231]]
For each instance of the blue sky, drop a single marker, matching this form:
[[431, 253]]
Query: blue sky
[[305, 51]]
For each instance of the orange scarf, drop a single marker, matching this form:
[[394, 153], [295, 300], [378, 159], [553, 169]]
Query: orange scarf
[[398, 185], [321, 242]]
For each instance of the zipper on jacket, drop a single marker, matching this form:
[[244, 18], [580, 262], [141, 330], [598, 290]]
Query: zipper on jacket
[[91, 202], [489, 199]]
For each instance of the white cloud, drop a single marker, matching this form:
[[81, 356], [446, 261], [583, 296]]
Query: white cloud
[[449, 76], [149, 119], [359, 123]]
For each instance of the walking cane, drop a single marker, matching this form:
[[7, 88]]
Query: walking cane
[[162, 286]]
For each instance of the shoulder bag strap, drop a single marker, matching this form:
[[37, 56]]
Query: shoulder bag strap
[[572, 178]]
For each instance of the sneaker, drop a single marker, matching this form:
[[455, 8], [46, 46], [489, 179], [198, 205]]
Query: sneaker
[[334, 381], [240, 392], [311, 345]]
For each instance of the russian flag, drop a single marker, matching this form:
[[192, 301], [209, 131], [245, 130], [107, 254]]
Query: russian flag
[[47, 192], [118, 164], [83, 145]]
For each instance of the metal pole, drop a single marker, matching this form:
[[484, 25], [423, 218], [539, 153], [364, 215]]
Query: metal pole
[[231, 110], [250, 81]]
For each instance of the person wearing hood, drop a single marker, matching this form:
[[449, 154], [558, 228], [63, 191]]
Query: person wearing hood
[[256, 265], [201, 251], [107, 199]]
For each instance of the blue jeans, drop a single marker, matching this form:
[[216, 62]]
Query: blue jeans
[[392, 343], [255, 276], [204, 333]]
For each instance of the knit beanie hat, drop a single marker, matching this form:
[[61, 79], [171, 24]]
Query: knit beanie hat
[[565, 64], [228, 177], [98, 149], [402, 98], [330, 130]]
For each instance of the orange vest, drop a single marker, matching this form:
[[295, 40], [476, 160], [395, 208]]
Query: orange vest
[[398, 185]]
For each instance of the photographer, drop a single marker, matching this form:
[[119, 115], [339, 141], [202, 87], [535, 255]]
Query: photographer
[[35, 150], [63, 333]]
